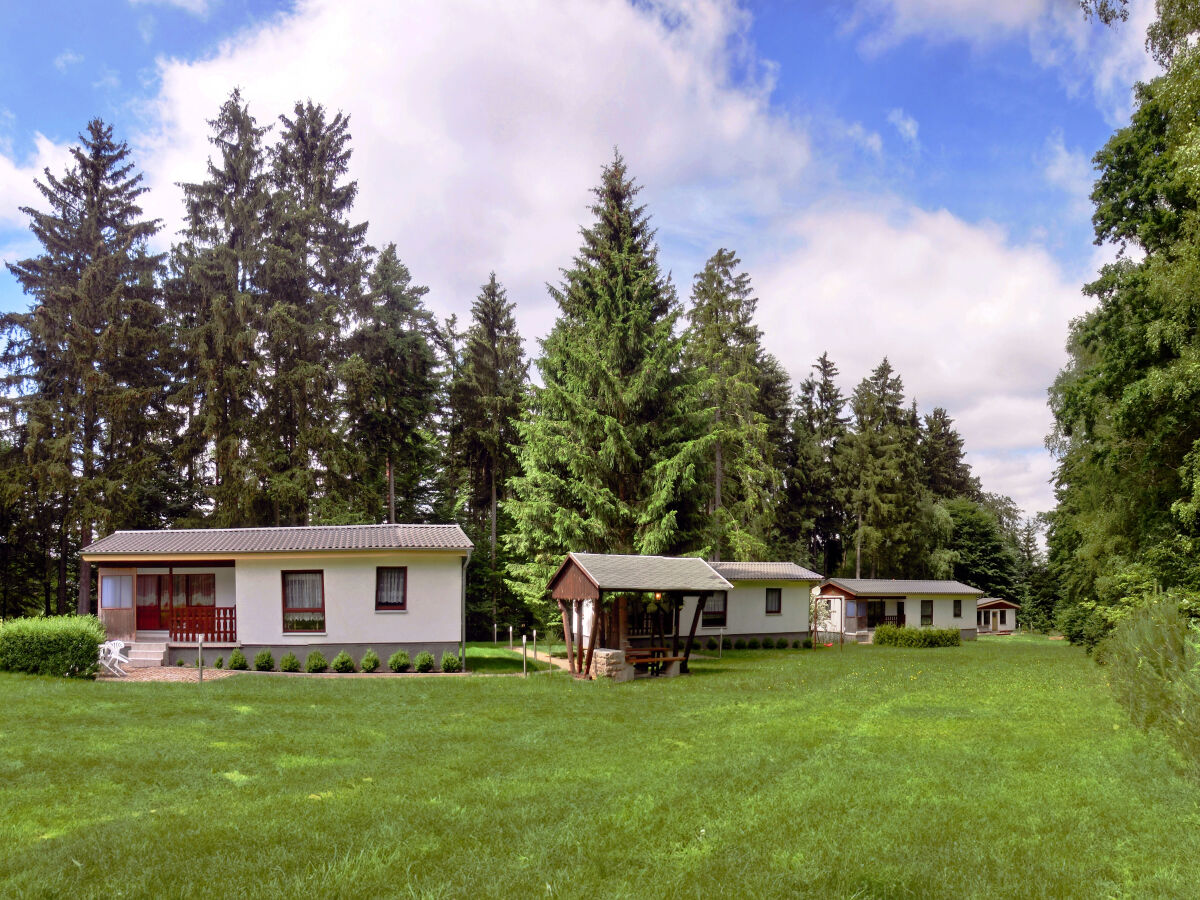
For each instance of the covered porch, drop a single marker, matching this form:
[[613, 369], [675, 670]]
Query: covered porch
[[632, 604], [176, 602]]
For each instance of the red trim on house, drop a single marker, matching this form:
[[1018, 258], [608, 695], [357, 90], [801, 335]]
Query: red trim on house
[[305, 609]]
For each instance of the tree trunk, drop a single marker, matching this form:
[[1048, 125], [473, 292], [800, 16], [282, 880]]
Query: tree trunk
[[718, 479], [391, 480], [858, 548], [492, 574], [85, 571]]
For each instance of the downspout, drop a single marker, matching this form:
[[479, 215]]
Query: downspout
[[463, 632]]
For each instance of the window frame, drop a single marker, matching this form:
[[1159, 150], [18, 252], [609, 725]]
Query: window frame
[[1003, 616], [957, 612], [709, 611], [926, 619], [283, 574], [389, 607], [777, 593], [132, 604]]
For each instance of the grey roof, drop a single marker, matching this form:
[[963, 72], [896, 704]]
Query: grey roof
[[887, 587], [764, 571], [615, 572], [987, 601], [281, 540]]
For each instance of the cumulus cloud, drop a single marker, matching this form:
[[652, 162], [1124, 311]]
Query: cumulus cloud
[[905, 125], [1110, 58], [16, 178], [972, 321], [1071, 172], [66, 59]]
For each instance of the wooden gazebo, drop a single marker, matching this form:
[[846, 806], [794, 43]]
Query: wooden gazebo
[[647, 594]]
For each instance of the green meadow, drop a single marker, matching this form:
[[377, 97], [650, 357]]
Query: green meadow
[[998, 769]]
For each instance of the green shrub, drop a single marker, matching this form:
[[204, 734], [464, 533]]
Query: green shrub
[[342, 662], [739, 644], [66, 646], [315, 662], [423, 662], [370, 661], [1153, 662], [726, 644], [450, 663], [237, 660], [179, 662], [753, 644], [289, 663], [797, 644], [398, 661], [711, 644], [807, 643], [892, 636], [219, 662], [264, 661]]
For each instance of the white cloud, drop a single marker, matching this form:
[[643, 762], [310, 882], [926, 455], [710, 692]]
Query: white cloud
[[1071, 172], [16, 178], [1090, 56], [195, 7], [475, 147], [66, 59], [108, 79], [905, 125], [971, 321]]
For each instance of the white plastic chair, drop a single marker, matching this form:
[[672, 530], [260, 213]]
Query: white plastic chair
[[111, 658]]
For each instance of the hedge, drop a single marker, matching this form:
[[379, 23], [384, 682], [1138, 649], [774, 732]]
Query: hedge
[[891, 636], [67, 646]]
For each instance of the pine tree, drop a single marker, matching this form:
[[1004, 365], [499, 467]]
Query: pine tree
[[88, 360], [391, 392], [217, 303], [315, 264], [945, 470], [487, 397], [724, 355], [606, 455]]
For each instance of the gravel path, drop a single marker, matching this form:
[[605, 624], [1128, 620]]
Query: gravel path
[[170, 673]]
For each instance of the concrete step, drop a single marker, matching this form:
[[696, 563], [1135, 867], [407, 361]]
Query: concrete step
[[135, 663], [148, 645]]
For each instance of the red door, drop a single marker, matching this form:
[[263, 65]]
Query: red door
[[149, 617]]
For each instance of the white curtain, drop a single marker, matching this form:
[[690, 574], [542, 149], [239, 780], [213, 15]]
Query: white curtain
[[390, 590], [302, 590], [116, 591]]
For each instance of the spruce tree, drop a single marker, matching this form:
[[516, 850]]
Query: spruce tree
[[606, 459], [314, 268], [88, 360], [945, 470], [723, 354], [487, 397], [391, 392], [217, 303]]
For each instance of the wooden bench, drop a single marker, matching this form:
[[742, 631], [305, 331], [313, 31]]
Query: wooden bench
[[653, 662]]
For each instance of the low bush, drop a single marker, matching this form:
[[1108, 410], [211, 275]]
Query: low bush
[[342, 662], [66, 646], [797, 644], [711, 644], [726, 644], [806, 643], [370, 661], [398, 661], [753, 644], [289, 663], [1153, 662], [179, 662], [315, 662], [423, 662], [739, 644], [219, 662], [892, 636], [264, 661], [237, 660], [450, 663]]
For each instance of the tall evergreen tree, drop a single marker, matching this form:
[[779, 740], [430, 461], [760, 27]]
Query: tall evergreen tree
[[218, 307], [391, 392], [315, 263], [606, 455], [945, 470], [723, 353], [86, 364], [487, 397]]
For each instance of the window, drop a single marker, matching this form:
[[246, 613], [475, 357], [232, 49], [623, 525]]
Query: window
[[391, 588], [774, 601], [1003, 616], [116, 592], [926, 613], [958, 609], [714, 612], [304, 601]]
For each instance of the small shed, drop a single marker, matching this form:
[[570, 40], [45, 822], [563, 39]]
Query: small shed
[[997, 616], [607, 600]]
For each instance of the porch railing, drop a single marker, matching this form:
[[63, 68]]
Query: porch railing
[[898, 621], [217, 624]]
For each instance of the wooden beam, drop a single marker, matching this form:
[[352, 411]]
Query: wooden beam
[[587, 663], [566, 617], [687, 651]]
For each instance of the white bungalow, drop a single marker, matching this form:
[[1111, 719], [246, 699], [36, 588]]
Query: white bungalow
[[342, 587], [997, 616], [857, 605]]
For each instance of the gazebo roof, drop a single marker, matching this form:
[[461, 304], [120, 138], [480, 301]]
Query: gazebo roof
[[618, 572]]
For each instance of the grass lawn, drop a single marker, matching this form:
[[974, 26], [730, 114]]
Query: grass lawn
[[493, 659], [998, 769]]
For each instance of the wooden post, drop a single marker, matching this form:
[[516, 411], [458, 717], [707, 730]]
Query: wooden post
[[578, 617], [587, 663], [676, 602], [566, 617], [687, 651]]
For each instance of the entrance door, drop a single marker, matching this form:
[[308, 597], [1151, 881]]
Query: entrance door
[[875, 612], [149, 603], [995, 621]]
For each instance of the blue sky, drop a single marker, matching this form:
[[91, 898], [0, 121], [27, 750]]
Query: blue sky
[[900, 177]]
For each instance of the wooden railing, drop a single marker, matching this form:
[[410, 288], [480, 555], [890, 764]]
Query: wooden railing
[[217, 624], [898, 621]]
